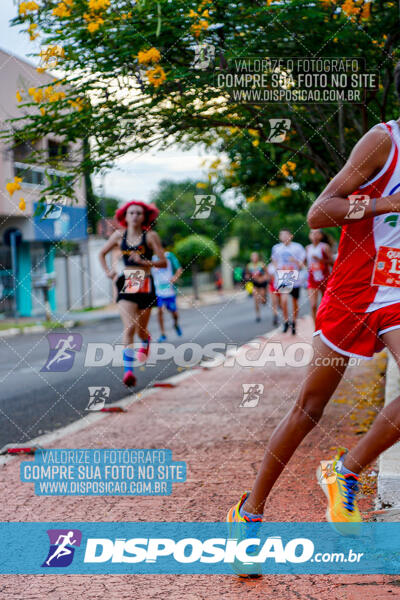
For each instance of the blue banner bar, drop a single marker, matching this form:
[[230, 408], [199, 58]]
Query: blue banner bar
[[191, 548]]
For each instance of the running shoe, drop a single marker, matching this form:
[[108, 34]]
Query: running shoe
[[178, 330], [293, 325], [285, 326], [275, 321], [162, 338], [143, 352], [240, 529], [340, 489], [129, 379]]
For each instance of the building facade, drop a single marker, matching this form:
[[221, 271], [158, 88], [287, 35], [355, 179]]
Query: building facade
[[28, 243]]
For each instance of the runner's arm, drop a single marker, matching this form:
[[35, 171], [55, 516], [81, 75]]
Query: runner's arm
[[153, 240], [366, 159], [111, 243]]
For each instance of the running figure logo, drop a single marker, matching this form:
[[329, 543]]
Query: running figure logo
[[251, 394], [204, 205], [279, 129], [133, 280], [357, 206], [61, 551], [98, 396], [62, 351], [286, 280], [204, 56]]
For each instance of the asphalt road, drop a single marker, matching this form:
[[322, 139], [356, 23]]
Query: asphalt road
[[35, 401]]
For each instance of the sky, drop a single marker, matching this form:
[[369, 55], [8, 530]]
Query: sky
[[135, 175]]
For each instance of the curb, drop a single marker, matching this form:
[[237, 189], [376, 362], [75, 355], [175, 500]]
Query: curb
[[389, 461]]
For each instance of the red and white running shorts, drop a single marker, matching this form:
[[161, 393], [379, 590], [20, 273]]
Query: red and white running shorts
[[355, 334]]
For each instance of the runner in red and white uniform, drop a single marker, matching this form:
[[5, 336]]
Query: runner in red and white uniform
[[358, 316], [319, 260], [274, 293]]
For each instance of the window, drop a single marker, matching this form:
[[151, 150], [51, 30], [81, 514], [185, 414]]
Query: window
[[57, 150]]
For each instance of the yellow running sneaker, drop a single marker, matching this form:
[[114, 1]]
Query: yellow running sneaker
[[340, 488], [240, 529]]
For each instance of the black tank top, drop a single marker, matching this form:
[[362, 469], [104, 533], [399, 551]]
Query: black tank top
[[143, 250]]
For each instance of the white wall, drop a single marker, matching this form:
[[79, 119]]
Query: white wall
[[80, 280]]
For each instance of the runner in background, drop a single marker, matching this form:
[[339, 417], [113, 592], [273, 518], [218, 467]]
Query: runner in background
[[136, 291], [288, 256], [319, 262], [274, 294], [256, 273], [164, 280]]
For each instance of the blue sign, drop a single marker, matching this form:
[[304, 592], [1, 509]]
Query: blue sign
[[71, 224], [196, 548]]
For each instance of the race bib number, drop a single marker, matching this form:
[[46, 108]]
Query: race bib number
[[136, 282], [387, 267]]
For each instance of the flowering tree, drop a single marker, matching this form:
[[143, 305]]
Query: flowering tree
[[128, 83]]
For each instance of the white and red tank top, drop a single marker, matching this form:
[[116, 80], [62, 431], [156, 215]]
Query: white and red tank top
[[351, 282], [318, 269]]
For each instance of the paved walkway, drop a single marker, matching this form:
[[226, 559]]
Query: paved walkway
[[222, 443]]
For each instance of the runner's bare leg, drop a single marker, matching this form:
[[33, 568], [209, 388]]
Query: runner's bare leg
[[318, 387], [385, 430]]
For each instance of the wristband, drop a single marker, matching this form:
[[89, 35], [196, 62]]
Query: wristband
[[373, 205]]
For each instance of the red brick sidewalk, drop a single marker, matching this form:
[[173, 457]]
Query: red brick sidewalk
[[202, 423]]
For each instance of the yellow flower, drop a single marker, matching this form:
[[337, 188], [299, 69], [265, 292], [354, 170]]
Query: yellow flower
[[349, 8], [287, 192], [366, 11], [312, 171], [13, 186], [31, 91], [78, 103], [291, 165], [148, 56], [62, 10], [40, 69], [193, 14], [42, 110], [38, 96], [285, 170], [94, 25], [18, 96], [98, 4], [31, 31], [272, 182], [250, 199], [254, 132], [255, 143], [156, 76], [202, 185], [24, 7], [22, 204]]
